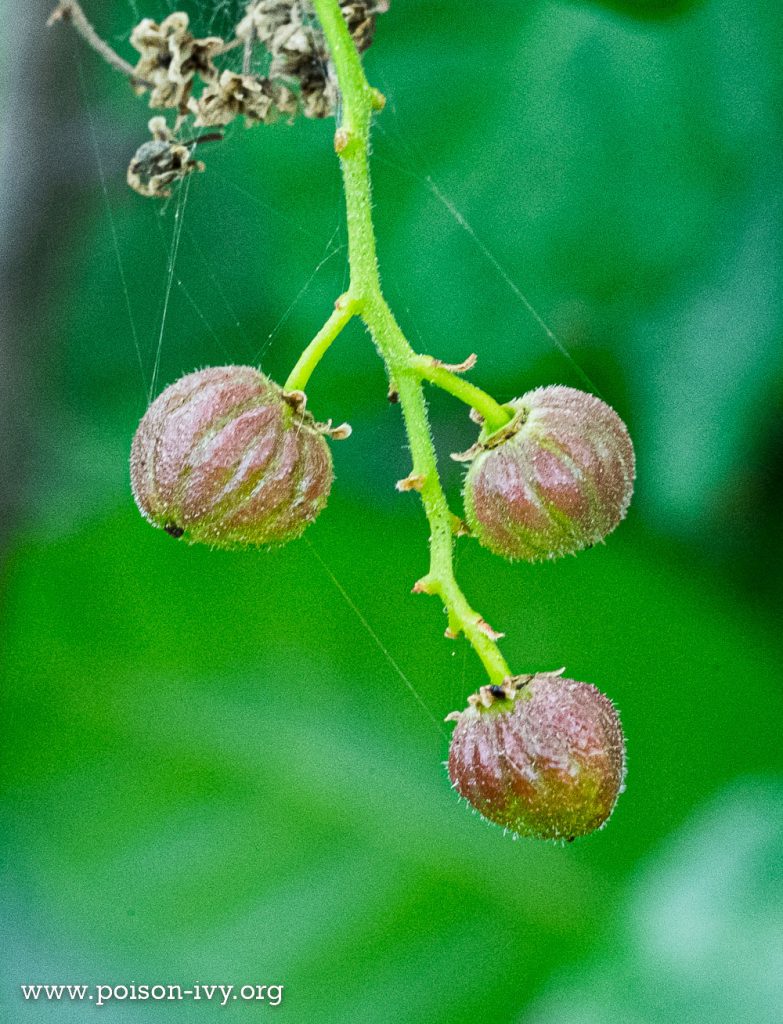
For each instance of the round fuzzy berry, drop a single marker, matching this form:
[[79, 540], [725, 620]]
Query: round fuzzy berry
[[224, 457], [558, 478], [542, 756]]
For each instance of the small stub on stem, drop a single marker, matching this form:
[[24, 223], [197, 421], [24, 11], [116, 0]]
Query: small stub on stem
[[412, 482], [459, 527], [463, 367], [344, 141], [487, 630], [425, 585]]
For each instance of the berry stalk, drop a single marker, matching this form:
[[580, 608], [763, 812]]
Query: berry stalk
[[494, 415], [344, 311], [404, 366]]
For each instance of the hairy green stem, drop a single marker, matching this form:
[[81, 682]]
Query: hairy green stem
[[344, 311], [494, 415], [404, 366]]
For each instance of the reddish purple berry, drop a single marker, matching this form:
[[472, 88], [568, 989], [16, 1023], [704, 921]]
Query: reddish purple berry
[[542, 756], [557, 478], [224, 457]]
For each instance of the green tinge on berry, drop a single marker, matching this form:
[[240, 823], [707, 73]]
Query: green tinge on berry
[[542, 756], [222, 457], [558, 478]]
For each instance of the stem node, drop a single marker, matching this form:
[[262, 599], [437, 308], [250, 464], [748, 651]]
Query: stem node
[[344, 141], [426, 585]]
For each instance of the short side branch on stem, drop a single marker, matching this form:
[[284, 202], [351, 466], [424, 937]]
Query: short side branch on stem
[[493, 414], [344, 311]]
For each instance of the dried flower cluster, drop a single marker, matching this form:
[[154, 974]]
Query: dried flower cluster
[[288, 30], [258, 100], [158, 163], [170, 60], [179, 72]]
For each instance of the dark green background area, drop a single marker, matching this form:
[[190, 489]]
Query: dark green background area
[[228, 767]]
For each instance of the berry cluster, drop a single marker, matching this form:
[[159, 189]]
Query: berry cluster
[[226, 457]]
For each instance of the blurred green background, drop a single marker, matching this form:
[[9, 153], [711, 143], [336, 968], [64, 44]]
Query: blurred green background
[[215, 766]]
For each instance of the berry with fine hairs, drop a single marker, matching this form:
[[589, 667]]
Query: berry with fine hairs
[[557, 478], [541, 755], [225, 457]]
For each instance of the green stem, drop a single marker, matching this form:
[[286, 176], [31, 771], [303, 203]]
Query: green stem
[[403, 365], [494, 415], [344, 311]]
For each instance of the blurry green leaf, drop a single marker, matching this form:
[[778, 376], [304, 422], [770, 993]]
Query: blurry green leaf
[[649, 8], [700, 934]]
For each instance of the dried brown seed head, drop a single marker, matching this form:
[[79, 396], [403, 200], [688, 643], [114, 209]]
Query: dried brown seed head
[[157, 164], [170, 58]]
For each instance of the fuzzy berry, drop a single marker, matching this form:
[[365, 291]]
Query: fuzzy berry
[[224, 457], [542, 756], [556, 479]]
